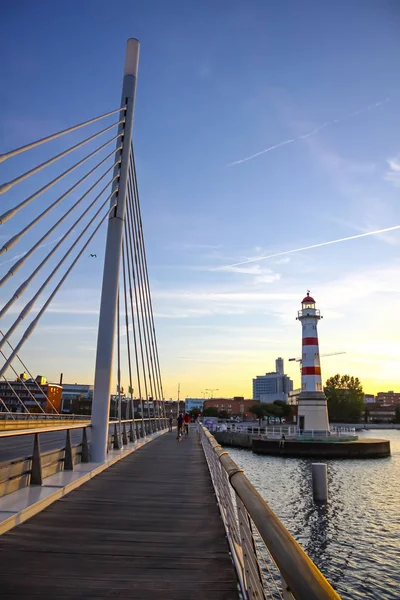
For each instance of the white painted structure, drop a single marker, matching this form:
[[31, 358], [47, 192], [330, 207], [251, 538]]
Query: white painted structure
[[312, 405]]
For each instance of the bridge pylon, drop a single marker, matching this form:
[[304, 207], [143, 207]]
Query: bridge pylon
[[112, 262]]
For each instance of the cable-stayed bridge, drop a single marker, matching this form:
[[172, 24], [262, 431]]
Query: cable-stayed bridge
[[101, 507]]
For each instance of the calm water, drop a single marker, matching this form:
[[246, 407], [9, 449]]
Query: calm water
[[355, 538]]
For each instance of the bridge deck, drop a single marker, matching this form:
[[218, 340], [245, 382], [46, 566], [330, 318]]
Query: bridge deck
[[148, 527]]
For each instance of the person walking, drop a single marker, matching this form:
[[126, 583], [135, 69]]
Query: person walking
[[179, 428], [170, 422], [187, 420]]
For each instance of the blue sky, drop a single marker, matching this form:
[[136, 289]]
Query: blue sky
[[219, 82]]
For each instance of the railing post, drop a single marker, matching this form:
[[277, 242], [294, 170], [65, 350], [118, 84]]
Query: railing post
[[85, 447], [36, 470], [117, 441], [109, 295], [124, 436], [68, 462], [131, 432]]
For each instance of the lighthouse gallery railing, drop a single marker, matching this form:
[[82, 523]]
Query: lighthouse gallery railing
[[268, 560]]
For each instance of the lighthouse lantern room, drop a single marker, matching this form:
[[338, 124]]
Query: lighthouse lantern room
[[312, 405]]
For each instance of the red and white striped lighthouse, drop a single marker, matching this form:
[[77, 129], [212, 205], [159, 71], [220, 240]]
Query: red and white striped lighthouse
[[312, 408]]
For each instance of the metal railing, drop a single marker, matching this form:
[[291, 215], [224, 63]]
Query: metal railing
[[266, 430], [276, 431], [268, 561], [29, 416], [33, 469]]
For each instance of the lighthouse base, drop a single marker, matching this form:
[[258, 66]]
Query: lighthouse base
[[312, 413]]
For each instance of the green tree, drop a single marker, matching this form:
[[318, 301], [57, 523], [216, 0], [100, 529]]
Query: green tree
[[258, 411], [194, 412], [271, 410], [283, 409], [223, 414], [211, 411], [345, 398], [397, 415]]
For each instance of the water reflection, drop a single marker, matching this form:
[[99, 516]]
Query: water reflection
[[355, 537]]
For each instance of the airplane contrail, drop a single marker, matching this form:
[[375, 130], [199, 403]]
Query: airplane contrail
[[310, 133], [345, 239], [17, 256]]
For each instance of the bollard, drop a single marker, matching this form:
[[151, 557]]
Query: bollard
[[320, 482]]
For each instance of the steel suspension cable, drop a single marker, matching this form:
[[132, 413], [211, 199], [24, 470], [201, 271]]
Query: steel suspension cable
[[127, 329], [22, 288], [141, 299], [8, 185], [132, 271], [131, 213], [18, 398], [29, 373], [10, 213], [15, 238], [53, 136], [7, 409], [143, 249], [34, 323], [143, 280], [119, 366], [145, 263], [126, 234], [23, 383], [28, 307]]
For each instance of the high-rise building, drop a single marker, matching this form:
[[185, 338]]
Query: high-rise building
[[279, 366], [272, 386]]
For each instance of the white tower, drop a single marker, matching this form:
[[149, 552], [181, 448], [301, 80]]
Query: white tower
[[279, 366], [312, 406]]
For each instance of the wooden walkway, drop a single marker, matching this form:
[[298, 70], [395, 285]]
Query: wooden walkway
[[146, 528]]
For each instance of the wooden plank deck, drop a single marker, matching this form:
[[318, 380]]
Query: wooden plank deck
[[146, 528]]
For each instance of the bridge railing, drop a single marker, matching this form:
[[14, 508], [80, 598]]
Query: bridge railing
[[29, 470], [268, 560]]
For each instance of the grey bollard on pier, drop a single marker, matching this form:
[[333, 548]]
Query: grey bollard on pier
[[320, 482]]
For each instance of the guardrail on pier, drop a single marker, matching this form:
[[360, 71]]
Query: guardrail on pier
[[32, 469], [268, 560]]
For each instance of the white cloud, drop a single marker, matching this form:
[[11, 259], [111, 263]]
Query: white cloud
[[251, 270], [270, 278], [393, 174]]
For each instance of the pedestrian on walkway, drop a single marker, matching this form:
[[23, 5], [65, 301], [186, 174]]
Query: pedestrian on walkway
[[282, 441], [170, 422], [187, 420], [179, 423]]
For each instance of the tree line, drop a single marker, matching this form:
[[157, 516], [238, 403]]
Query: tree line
[[345, 399]]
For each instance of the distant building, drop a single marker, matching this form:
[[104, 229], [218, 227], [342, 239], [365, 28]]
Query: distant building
[[388, 398], [273, 386], [279, 366], [36, 395], [171, 406], [77, 398], [194, 403], [293, 396], [237, 406], [381, 414], [369, 399]]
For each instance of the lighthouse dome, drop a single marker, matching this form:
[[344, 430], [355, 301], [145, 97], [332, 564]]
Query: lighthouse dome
[[308, 299]]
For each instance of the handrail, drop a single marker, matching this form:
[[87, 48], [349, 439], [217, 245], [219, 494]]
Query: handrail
[[35, 416], [81, 425], [17, 477], [17, 432], [301, 576]]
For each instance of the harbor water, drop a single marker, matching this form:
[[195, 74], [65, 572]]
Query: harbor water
[[355, 538]]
